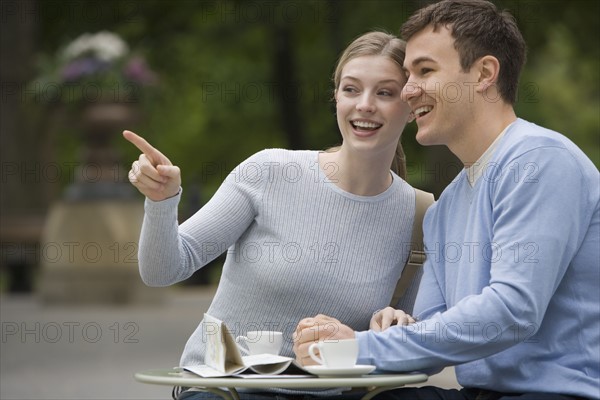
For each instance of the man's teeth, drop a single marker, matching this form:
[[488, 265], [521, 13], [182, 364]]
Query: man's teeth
[[365, 125], [419, 112]]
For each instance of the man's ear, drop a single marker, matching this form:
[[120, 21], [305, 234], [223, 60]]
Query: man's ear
[[489, 69]]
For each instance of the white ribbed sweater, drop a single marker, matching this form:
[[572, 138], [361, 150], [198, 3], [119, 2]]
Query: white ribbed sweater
[[297, 245]]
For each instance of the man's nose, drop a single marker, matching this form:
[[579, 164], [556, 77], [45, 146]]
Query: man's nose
[[410, 90]]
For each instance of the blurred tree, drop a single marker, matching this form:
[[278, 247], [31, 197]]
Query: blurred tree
[[561, 90], [239, 76], [560, 86]]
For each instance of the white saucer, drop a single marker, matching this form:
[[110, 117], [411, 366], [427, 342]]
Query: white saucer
[[323, 371]]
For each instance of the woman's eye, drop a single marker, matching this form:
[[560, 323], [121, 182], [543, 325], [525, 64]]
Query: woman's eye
[[349, 89], [386, 93], [425, 70]]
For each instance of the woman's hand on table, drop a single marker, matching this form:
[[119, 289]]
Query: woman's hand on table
[[317, 329], [389, 316]]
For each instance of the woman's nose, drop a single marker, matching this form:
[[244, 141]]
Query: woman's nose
[[366, 104]]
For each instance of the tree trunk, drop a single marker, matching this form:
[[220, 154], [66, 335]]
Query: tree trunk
[[287, 88]]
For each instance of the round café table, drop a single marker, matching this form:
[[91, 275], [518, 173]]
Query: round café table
[[374, 384]]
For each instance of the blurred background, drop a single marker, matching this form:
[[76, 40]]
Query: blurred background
[[208, 83]]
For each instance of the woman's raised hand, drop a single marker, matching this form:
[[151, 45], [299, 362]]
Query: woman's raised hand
[[153, 174]]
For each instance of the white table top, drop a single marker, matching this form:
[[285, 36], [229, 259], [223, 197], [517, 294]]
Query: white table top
[[177, 377]]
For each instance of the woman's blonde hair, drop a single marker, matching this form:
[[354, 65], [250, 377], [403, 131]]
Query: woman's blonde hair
[[376, 43]]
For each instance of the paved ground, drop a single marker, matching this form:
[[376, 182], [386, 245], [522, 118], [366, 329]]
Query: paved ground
[[92, 352]]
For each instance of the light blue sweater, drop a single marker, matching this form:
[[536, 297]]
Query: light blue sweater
[[510, 292], [297, 245]]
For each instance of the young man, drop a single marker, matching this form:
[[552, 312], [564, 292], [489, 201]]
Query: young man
[[510, 288]]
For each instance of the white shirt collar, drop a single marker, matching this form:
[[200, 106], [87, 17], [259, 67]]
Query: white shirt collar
[[475, 171]]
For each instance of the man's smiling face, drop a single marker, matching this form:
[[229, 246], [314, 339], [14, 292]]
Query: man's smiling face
[[439, 93]]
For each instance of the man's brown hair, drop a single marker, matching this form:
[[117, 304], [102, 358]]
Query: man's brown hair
[[478, 29]]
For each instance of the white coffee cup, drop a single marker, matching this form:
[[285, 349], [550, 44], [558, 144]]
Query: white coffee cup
[[335, 353], [261, 342]]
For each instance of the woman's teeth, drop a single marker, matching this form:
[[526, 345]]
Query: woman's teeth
[[366, 126]]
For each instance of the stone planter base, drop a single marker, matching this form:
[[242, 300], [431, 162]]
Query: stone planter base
[[102, 285], [89, 254]]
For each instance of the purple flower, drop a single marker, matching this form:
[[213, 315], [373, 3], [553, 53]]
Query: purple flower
[[137, 70], [82, 67], [102, 59]]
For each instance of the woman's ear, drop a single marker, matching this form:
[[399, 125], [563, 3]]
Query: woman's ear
[[489, 69]]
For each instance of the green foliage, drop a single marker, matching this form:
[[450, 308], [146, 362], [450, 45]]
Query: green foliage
[[222, 81], [562, 92]]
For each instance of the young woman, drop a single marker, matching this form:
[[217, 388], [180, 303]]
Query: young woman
[[305, 232]]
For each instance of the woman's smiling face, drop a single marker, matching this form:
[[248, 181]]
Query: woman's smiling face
[[371, 113]]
